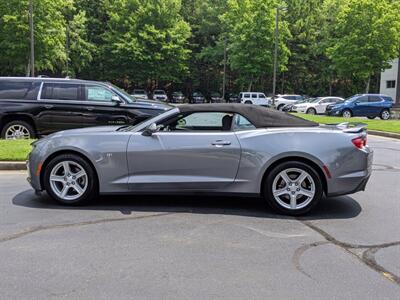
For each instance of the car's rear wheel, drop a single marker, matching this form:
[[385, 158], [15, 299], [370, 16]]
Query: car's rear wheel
[[248, 102], [280, 107], [346, 113], [293, 188], [311, 111], [70, 180], [385, 114], [371, 117], [16, 130]]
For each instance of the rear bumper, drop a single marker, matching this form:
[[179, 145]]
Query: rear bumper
[[353, 182]]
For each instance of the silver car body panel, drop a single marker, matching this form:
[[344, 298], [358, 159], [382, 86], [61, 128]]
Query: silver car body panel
[[128, 162]]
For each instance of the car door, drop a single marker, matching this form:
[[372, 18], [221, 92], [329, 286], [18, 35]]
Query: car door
[[100, 109], [374, 105], [360, 107], [61, 107], [192, 152], [321, 106]]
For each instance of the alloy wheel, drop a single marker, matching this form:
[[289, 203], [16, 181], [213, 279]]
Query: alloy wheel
[[293, 188], [16, 132], [346, 114], [68, 180], [385, 115]]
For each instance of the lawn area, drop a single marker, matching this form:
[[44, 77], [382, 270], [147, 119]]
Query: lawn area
[[14, 149], [376, 124]]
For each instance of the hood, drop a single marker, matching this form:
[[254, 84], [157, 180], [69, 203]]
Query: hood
[[152, 104]]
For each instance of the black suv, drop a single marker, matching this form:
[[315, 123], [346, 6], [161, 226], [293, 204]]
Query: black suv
[[31, 107]]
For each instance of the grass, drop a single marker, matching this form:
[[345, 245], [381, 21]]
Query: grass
[[376, 124], [16, 150]]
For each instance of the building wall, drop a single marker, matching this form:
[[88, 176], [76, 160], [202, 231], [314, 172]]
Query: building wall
[[388, 75]]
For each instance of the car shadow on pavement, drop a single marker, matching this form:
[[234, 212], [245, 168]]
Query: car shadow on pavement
[[343, 207]]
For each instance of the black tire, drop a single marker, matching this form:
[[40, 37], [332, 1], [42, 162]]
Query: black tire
[[347, 113], [311, 111], [92, 189], [248, 102], [280, 106], [268, 188], [371, 117], [26, 125], [385, 114]]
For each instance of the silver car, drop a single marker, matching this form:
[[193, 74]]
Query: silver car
[[212, 149]]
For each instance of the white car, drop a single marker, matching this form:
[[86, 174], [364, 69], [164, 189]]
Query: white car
[[282, 100], [254, 98], [317, 105], [160, 95], [140, 94]]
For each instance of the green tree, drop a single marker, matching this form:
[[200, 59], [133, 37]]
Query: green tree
[[14, 33], [146, 41], [250, 27], [364, 37]]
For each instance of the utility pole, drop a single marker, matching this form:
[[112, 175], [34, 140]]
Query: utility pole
[[32, 39], [275, 55], [224, 77]]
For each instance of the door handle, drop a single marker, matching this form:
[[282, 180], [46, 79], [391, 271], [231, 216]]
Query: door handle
[[48, 106], [90, 108], [220, 143]]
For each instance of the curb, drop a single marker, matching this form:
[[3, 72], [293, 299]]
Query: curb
[[385, 134], [12, 165]]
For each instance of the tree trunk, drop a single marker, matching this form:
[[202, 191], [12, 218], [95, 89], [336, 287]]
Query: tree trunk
[[367, 87], [250, 86], [330, 87]]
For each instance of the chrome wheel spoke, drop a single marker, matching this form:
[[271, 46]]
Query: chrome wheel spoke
[[66, 168], [79, 174], [57, 178], [293, 201], [280, 192], [64, 191], [303, 175], [78, 189], [306, 193], [285, 177]]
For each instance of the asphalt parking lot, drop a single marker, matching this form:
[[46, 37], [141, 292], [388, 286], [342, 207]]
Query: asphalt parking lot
[[203, 248]]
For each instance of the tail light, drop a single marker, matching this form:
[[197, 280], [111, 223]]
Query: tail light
[[360, 142]]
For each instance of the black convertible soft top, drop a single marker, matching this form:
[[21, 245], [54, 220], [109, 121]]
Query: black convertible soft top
[[258, 115]]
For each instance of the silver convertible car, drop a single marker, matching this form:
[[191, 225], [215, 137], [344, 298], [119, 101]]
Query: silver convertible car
[[210, 149]]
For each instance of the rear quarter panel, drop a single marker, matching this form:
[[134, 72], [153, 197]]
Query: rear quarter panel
[[263, 147]]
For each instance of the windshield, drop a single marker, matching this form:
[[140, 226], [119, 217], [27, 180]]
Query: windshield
[[197, 94], [313, 100], [178, 94], [123, 94], [159, 92], [351, 98], [215, 95]]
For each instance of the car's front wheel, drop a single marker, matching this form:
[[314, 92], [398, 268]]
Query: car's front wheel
[[346, 113], [385, 114], [248, 102], [280, 107], [70, 180], [293, 188], [371, 117], [311, 111]]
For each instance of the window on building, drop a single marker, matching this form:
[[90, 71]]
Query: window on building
[[390, 84]]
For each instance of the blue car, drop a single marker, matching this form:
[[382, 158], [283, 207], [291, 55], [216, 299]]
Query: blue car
[[363, 105]]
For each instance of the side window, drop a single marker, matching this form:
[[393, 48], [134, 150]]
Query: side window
[[97, 93], [261, 96], [254, 96], [200, 121], [363, 99], [19, 90], [374, 99], [241, 123], [246, 96], [60, 91]]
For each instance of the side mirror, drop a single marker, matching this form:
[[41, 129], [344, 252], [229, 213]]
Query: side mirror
[[149, 130], [117, 100]]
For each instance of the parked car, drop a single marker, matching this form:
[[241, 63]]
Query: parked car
[[282, 100], [140, 94], [254, 98], [160, 95], [215, 97], [224, 149], [197, 97], [232, 98], [289, 107], [178, 97], [317, 105], [32, 107], [364, 105]]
